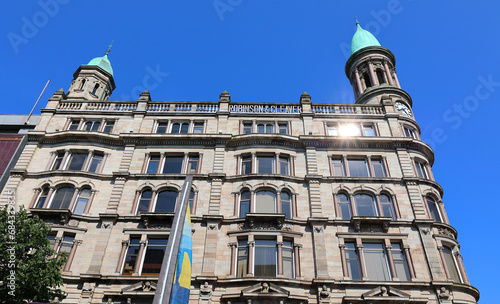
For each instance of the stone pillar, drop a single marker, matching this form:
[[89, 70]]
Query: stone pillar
[[296, 248], [211, 240], [319, 246], [125, 244]]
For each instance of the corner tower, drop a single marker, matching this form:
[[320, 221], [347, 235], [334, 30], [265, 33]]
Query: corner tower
[[371, 70], [93, 80]]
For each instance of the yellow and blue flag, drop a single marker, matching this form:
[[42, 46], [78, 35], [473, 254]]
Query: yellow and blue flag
[[182, 280]]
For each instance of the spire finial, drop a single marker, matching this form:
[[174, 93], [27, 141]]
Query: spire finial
[[357, 22], [109, 48]]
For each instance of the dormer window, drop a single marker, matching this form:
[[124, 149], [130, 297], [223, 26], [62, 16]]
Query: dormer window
[[96, 87]]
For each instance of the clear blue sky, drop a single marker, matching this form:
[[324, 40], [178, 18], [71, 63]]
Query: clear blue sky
[[273, 51]]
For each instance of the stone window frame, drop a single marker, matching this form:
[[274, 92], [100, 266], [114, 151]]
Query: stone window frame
[[82, 120], [66, 158], [277, 162], [278, 205], [438, 203], [387, 242], [276, 126], [169, 122], [368, 160], [143, 246], [59, 241], [410, 131], [328, 125], [279, 236], [443, 242], [185, 162], [375, 194], [422, 165], [52, 191]]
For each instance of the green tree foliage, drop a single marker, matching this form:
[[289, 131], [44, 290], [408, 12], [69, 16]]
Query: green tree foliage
[[28, 273]]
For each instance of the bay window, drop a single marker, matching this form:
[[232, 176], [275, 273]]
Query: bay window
[[266, 164], [358, 167], [161, 202], [350, 129], [165, 163], [144, 257], [179, 127], [280, 127], [99, 125], [90, 161], [65, 197], [365, 205]]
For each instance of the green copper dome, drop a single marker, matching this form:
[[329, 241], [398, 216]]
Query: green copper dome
[[361, 39], [102, 62]]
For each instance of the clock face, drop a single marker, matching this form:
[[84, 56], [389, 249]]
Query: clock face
[[403, 109]]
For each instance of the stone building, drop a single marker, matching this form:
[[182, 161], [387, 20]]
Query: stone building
[[291, 202]]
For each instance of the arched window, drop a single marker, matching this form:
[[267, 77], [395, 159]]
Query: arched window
[[95, 88], [367, 79], [82, 201], [286, 204], [244, 203], [62, 198], [166, 200], [265, 202], [83, 84], [387, 206], [365, 205], [344, 206], [145, 201], [433, 209], [42, 198]]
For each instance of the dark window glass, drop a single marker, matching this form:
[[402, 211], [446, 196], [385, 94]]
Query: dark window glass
[[244, 203], [265, 164], [265, 202], [95, 162], [247, 128], [380, 76], [265, 128], [246, 165], [153, 257], [284, 165], [165, 201], [387, 206], [162, 127], [365, 205], [58, 161], [377, 267], [95, 88], [180, 127], [409, 132], [62, 198], [421, 172], [52, 240], [82, 201], [92, 125], [344, 206], [74, 125], [265, 258], [399, 258], [287, 250], [368, 130], [367, 79], [242, 259], [434, 213], [338, 167], [286, 204], [198, 127], [283, 128], [378, 168], [131, 257], [191, 201], [42, 198], [450, 264], [77, 160], [193, 164], [358, 168], [145, 201], [154, 162], [173, 164], [352, 260], [66, 244], [109, 127]]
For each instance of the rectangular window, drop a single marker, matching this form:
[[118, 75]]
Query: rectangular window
[[378, 168], [91, 125], [58, 165], [246, 165], [132, 255], [284, 165], [173, 164], [66, 244], [338, 167], [377, 266], [266, 164], [74, 125], [358, 168], [162, 127], [265, 128], [409, 132], [52, 240], [154, 162], [108, 127], [153, 257], [332, 130], [242, 259], [283, 128], [399, 258], [247, 127], [198, 127], [368, 130], [451, 264], [76, 161], [287, 250], [180, 127], [352, 261], [421, 172], [265, 258], [193, 164], [95, 162]]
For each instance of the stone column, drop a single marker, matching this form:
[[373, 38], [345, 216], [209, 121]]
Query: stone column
[[280, 258], [358, 82], [409, 260], [125, 244], [143, 243], [296, 248], [251, 252], [359, 246], [372, 74], [344, 261], [388, 73], [388, 249], [76, 243]]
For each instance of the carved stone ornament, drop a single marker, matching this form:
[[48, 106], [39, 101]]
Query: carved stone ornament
[[445, 295], [446, 231], [88, 289], [324, 293], [73, 223], [206, 290], [146, 286]]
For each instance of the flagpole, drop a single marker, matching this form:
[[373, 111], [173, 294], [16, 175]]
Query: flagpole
[[167, 273]]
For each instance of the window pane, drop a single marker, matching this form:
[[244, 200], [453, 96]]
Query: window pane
[[162, 128], [109, 127], [269, 128], [82, 201], [387, 206], [74, 125], [378, 168], [193, 164], [176, 127], [265, 258], [450, 264], [42, 198], [242, 263], [352, 260], [154, 162], [331, 130], [244, 203], [246, 165], [358, 168], [338, 167], [265, 202], [287, 250], [365, 205], [131, 257], [198, 127], [184, 128], [368, 130], [265, 164], [247, 128], [58, 161], [400, 262], [284, 165], [94, 164], [286, 204], [283, 128], [153, 258], [434, 213], [377, 267], [145, 201], [166, 201], [345, 206], [173, 164], [261, 128], [62, 198], [420, 170], [77, 161]]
